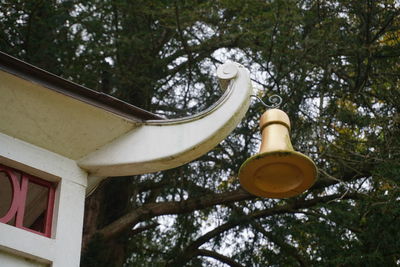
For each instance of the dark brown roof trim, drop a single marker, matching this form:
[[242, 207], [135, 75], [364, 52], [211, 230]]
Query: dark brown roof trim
[[31, 73]]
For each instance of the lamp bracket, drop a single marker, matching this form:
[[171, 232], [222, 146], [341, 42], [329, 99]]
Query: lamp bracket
[[275, 100]]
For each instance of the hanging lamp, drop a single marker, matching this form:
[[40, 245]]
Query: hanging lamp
[[277, 171]]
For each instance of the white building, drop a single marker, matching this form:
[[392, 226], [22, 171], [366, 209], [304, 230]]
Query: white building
[[58, 140]]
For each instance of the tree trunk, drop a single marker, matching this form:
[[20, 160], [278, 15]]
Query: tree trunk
[[106, 204]]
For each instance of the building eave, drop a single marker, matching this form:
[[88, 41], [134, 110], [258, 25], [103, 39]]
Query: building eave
[[53, 82]]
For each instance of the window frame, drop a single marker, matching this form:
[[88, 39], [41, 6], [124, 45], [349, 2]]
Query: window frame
[[18, 201]]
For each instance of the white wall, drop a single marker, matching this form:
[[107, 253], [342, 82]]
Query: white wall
[[64, 247], [8, 259]]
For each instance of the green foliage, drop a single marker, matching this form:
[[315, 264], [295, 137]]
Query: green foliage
[[336, 65]]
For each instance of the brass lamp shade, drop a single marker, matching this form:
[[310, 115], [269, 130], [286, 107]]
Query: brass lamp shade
[[277, 171]]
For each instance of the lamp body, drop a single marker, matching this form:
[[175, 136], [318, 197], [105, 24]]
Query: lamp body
[[277, 171]]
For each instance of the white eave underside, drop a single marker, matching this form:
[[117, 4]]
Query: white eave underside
[[56, 122]]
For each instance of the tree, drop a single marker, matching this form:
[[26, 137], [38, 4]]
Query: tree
[[335, 64]]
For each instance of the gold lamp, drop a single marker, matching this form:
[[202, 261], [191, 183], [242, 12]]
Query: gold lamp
[[277, 171]]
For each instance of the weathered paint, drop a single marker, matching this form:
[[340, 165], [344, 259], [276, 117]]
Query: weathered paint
[[53, 121]]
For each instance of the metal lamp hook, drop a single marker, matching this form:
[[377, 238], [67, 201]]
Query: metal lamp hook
[[275, 100]]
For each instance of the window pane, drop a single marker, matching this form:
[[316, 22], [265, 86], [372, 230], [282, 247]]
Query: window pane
[[5, 193], [36, 206]]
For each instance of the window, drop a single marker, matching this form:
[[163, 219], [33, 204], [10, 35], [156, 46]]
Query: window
[[26, 201]]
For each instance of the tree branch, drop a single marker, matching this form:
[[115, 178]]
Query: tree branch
[[217, 256], [292, 251], [143, 228], [190, 251], [151, 210]]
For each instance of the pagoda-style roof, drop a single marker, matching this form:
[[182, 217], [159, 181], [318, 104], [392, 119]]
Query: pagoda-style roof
[[104, 135]]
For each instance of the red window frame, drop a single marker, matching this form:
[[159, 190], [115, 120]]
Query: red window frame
[[19, 194]]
